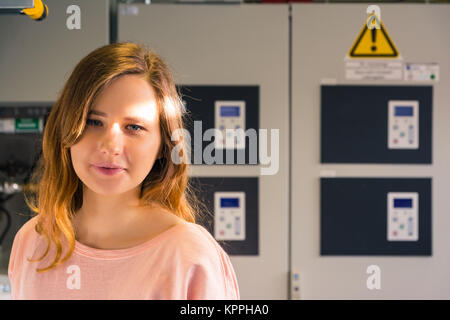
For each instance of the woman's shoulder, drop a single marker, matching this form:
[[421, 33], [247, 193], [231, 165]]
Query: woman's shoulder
[[212, 273], [195, 240], [194, 233], [24, 242], [28, 229]]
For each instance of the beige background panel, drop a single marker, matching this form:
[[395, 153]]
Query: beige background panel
[[37, 57], [322, 36], [234, 45]]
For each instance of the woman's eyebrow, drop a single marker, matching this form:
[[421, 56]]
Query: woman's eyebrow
[[102, 114]]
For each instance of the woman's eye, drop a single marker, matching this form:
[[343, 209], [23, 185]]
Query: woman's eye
[[94, 122], [90, 121], [135, 125]]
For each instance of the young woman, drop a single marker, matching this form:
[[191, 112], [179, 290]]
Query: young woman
[[115, 216]]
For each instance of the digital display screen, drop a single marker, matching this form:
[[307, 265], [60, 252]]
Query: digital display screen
[[402, 203], [229, 202], [404, 111], [230, 111]]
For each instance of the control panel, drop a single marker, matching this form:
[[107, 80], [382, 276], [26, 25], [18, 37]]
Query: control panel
[[229, 215], [230, 121], [403, 223], [403, 126]]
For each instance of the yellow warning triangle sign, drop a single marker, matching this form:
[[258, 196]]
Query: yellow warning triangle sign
[[373, 43]]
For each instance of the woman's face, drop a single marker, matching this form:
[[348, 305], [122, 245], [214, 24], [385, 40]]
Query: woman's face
[[111, 138]]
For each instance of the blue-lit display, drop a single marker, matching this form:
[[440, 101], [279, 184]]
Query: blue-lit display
[[404, 111], [402, 203], [229, 111], [229, 202]]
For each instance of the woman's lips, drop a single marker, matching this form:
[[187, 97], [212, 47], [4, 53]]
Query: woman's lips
[[108, 172]]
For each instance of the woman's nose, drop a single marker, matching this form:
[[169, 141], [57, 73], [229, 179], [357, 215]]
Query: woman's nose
[[112, 140]]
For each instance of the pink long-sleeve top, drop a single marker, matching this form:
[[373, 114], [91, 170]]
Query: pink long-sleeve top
[[184, 263]]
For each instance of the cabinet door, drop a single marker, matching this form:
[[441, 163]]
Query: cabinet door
[[322, 36], [233, 45]]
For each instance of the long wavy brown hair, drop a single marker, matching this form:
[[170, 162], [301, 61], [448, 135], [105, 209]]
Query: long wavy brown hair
[[55, 191]]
